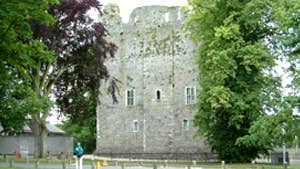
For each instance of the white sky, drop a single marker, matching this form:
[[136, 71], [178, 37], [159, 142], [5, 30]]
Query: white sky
[[126, 6]]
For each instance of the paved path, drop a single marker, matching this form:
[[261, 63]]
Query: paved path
[[68, 166], [45, 165], [85, 166]]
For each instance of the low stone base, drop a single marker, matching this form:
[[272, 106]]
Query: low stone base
[[203, 157]]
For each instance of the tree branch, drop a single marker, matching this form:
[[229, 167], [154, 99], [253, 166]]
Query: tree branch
[[36, 78], [44, 79], [52, 81]]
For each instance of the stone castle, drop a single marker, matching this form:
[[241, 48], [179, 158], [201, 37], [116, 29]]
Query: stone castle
[[158, 87]]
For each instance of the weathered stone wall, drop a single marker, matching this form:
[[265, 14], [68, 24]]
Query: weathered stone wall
[[153, 54], [24, 144]]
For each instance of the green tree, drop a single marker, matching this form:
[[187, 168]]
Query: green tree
[[286, 16], [79, 102], [18, 52], [267, 131], [78, 43], [76, 91], [285, 43], [237, 86], [82, 132], [30, 71]]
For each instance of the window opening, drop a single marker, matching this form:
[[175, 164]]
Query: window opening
[[135, 125], [185, 124], [158, 94]]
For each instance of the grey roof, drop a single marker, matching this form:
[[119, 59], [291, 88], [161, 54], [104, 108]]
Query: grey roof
[[26, 129], [50, 127], [53, 129]]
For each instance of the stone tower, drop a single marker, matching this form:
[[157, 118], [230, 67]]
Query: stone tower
[[157, 71]]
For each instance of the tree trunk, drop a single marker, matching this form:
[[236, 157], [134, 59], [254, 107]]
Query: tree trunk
[[40, 134]]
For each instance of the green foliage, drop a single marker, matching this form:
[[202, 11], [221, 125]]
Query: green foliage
[[76, 90], [234, 63], [83, 133], [287, 40], [17, 53], [267, 131], [79, 104], [76, 50], [14, 107]]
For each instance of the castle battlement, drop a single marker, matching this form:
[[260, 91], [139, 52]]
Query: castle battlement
[[156, 15]]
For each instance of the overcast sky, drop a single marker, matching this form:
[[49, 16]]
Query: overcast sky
[[126, 6]]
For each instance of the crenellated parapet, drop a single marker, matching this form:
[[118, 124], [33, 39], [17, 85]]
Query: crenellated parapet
[[156, 15], [151, 31]]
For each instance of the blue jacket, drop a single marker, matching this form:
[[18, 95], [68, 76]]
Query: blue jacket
[[78, 151]]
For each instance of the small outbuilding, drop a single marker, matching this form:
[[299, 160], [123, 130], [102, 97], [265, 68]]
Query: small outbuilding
[[59, 143]]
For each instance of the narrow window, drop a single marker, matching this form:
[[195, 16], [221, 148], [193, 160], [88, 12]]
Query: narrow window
[[178, 15], [135, 126], [135, 20], [190, 95], [185, 124], [129, 97], [167, 17], [158, 95], [193, 97]]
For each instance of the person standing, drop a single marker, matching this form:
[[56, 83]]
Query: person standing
[[78, 152]]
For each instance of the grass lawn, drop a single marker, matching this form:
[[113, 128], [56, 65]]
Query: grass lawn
[[257, 166], [14, 168], [31, 160]]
